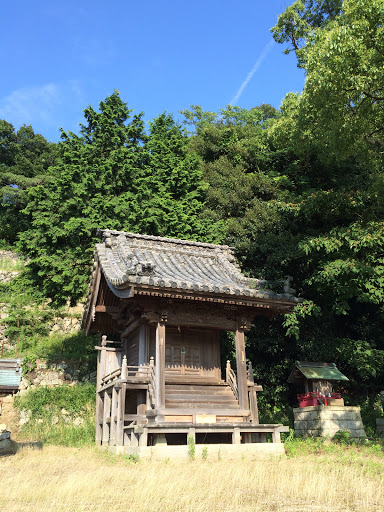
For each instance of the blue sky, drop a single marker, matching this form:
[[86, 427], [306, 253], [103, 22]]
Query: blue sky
[[164, 55]]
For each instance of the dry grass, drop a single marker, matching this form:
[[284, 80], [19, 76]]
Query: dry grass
[[88, 480]]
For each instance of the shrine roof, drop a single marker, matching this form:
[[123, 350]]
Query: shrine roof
[[129, 259], [315, 371]]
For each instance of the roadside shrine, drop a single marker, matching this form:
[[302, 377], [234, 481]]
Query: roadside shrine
[[162, 382]]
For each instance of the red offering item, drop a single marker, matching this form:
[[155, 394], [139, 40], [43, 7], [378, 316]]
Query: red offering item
[[314, 398]]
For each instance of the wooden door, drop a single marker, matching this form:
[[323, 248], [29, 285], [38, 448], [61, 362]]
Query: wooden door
[[192, 352], [182, 358]]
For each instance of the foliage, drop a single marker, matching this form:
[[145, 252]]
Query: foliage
[[29, 364], [342, 437], [341, 50], [46, 423], [191, 448], [25, 160], [298, 24], [50, 400], [368, 455], [111, 176]]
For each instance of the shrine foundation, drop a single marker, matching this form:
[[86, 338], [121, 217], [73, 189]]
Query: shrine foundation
[[322, 421]]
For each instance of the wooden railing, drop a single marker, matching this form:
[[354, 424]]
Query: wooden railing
[[131, 373], [231, 380]]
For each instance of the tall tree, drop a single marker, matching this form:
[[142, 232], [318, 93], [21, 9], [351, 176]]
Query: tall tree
[[113, 175], [25, 159]]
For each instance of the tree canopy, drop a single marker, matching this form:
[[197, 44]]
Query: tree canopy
[[112, 175]]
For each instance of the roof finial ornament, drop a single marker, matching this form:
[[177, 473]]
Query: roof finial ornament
[[287, 286]]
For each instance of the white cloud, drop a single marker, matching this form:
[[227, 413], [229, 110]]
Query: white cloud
[[30, 103], [45, 107]]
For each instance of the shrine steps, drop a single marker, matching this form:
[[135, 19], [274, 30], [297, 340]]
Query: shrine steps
[[199, 396]]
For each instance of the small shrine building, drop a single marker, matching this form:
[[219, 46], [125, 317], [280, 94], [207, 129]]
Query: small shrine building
[[162, 382]]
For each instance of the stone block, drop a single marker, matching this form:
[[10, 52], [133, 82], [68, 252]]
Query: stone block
[[301, 425], [380, 426], [5, 435], [314, 425], [5, 446], [306, 415]]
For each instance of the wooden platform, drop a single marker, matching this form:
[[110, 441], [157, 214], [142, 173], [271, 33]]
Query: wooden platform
[[241, 433]]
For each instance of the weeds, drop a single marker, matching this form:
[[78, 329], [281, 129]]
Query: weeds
[[191, 447], [63, 415]]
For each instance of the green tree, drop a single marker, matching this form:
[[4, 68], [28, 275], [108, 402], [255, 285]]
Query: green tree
[[113, 175], [171, 188], [343, 56], [25, 159]]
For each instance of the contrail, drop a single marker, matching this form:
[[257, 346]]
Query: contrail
[[258, 63]]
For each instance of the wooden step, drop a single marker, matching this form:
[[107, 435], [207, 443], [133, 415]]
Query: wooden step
[[202, 405], [190, 379], [200, 398], [201, 390]]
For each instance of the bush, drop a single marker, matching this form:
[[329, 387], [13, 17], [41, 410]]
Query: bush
[[52, 412]]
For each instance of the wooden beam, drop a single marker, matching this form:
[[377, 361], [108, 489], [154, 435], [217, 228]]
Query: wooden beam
[[111, 310], [241, 367]]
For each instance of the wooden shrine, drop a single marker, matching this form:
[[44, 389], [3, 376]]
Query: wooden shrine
[[166, 301]]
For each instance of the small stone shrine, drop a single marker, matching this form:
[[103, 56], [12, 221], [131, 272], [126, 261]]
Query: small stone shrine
[[321, 411], [161, 381]]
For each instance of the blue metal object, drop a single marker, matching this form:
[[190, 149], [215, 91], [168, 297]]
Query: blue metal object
[[10, 375]]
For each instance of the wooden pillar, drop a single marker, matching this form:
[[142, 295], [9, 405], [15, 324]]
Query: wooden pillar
[[106, 417], [143, 441], [143, 358], [114, 419], [102, 361], [120, 415], [236, 437], [99, 418], [160, 365], [241, 367], [141, 405], [253, 405]]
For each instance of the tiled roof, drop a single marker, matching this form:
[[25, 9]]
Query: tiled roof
[[130, 259]]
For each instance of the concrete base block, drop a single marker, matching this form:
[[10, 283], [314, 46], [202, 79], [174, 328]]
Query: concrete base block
[[212, 452], [321, 421]]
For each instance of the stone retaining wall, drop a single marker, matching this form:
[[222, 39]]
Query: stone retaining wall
[[55, 374], [322, 420]]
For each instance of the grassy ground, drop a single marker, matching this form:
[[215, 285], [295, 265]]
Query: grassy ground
[[45, 478], [315, 476]]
